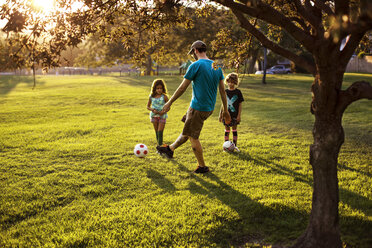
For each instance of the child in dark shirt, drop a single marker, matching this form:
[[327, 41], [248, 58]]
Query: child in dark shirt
[[234, 103]]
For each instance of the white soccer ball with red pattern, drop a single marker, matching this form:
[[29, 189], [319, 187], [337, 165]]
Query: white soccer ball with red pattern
[[140, 150], [228, 146]]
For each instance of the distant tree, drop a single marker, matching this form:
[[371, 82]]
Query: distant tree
[[41, 37], [166, 45]]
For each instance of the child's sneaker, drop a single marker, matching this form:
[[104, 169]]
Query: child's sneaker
[[236, 149], [165, 150], [201, 169]]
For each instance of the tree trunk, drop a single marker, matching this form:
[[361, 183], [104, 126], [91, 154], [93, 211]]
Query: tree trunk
[[323, 228], [148, 65], [252, 61]]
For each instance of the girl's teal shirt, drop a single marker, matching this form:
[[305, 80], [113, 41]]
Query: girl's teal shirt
[[158, 103]]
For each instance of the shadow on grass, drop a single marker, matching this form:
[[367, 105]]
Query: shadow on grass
[[160, 180], [352, 199], [258, 225], [9, 83], [344, 167], [348, 197], [255, 221]]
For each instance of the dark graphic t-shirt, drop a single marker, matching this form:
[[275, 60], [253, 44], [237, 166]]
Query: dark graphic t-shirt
[[234, 98]]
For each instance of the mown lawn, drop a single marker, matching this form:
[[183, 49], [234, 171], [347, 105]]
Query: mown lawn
[[68, 176]]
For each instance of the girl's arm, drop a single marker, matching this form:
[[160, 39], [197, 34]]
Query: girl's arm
[[149, 106], [166, 98]]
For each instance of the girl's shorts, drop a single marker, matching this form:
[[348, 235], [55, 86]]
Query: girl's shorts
[[158, 120]]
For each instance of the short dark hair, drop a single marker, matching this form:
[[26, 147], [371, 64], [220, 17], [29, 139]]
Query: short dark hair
[[201, 50], [232, 77]]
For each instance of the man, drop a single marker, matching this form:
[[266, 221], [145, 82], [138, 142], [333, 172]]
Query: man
[[205, 78]]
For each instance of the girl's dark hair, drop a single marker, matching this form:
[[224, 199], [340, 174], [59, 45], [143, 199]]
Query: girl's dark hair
[[232, 77], [155, 84]]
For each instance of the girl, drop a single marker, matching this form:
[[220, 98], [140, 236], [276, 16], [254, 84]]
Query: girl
[[158, 97], [234, 103]]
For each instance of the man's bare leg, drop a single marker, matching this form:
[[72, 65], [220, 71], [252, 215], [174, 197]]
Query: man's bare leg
[[198, 151], [179, 141]]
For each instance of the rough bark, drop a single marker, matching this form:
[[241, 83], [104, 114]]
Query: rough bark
[[323, 228]]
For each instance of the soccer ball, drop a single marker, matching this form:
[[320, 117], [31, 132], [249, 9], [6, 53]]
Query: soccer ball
[[228, 146], [140, 150]]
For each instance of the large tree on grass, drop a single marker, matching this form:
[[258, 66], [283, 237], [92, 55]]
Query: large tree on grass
[[320, 27]]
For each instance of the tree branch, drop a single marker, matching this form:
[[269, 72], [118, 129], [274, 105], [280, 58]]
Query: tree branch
[[324, 7], [272, 45], [302, 23], [307, 15], [270, 15], [358, 90]]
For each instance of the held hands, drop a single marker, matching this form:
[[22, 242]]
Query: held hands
[[158, 112], [166, 107]]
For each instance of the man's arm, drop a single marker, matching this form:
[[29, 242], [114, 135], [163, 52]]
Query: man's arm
[[226, 114], [179, 91]]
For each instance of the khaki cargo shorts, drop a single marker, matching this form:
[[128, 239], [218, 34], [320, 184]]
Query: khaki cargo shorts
[[194, 122]]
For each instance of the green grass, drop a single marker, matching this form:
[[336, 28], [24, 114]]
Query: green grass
[[68, 176]]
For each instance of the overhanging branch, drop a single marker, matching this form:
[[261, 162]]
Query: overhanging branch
[[270, 15], [324, 7], [307, 15], [272, 45]]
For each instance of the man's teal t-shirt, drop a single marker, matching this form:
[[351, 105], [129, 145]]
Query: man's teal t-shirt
[[205, 80]]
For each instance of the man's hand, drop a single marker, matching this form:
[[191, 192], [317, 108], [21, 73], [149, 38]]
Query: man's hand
[[226, 117], [166, 107]]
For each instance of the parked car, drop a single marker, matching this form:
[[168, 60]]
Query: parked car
[[261, 72], [280, 69], [276, 69]]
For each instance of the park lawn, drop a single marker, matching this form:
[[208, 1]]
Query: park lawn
[[68, 176]]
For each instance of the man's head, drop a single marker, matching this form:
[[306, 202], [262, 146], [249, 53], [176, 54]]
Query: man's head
[[197, 47]]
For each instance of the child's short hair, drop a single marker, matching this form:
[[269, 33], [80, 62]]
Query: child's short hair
[[232, 77], [156, 83]]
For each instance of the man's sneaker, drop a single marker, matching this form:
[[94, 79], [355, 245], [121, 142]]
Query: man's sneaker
[[200, 169], [165, 150], [236, 149]]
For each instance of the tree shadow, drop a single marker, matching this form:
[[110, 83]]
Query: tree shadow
[[346, 196], [255, 221], [9, 83], [352, 199], [344, 167]]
